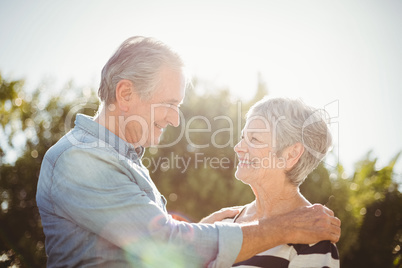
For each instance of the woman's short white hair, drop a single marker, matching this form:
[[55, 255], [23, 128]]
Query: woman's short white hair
[[293, 122], [138, 59]]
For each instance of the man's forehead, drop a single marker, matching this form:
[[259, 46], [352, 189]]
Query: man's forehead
[[172, 100], [165, 98], [171, 89]]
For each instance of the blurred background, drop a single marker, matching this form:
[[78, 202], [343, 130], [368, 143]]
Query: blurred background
[[341, 56]]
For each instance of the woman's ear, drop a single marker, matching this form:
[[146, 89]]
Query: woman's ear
[[124, 94], [292, 154]]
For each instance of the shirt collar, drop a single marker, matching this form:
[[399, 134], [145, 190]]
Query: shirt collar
[[100, 132]]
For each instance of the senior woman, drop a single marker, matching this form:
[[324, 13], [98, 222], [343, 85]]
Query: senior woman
[[282, 142]]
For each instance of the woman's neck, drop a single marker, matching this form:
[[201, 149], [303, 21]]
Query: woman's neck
[[273, 199]]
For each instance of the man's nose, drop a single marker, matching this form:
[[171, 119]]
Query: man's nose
[[173, 116]]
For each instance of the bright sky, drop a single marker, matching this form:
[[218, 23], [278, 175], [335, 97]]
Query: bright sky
[[344, 52]]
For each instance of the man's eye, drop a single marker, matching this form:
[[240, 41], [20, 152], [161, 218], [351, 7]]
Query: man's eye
[[167, 105], [171, 105]]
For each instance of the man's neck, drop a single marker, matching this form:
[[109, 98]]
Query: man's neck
[[109, 119]]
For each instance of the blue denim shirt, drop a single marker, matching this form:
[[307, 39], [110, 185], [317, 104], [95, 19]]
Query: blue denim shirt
[[99, 207]]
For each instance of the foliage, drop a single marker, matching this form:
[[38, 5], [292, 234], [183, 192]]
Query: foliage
[[39, 121], [369, 206], [368, 203]]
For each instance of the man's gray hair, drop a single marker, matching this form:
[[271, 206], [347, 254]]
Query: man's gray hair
[[291, 121], [138, 59]]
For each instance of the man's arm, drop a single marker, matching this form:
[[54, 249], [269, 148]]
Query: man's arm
[[107, 197], [306, 225]]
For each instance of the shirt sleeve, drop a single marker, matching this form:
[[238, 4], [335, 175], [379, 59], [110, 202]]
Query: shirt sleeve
[[93, 189]]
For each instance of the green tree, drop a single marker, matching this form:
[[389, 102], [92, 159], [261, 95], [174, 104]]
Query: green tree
[[369, 206], [380, 234], [368, 203], [375, 205], [317, 187], [37, 121]]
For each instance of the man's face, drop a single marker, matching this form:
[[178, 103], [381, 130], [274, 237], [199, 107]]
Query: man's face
[[146, 119]]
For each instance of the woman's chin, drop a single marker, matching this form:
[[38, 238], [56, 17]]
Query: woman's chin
[[239, 176]]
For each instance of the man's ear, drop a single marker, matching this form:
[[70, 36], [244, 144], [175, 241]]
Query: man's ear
[[292, 154], [124, 94]]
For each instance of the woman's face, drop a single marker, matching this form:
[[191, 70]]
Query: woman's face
[[257, 158]]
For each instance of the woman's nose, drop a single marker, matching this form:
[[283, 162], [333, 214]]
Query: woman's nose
[[239, 147]]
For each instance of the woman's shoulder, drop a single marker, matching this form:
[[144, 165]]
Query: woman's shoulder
[[322, 247], [323, 253]]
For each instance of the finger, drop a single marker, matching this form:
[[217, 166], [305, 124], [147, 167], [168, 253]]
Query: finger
[[335, 234], [231, 212], [321, 208], [336, 221], [334, 238], [328, 211], [236, 207]]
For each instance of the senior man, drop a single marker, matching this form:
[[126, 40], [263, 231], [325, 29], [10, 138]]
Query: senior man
[[98, 204]]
